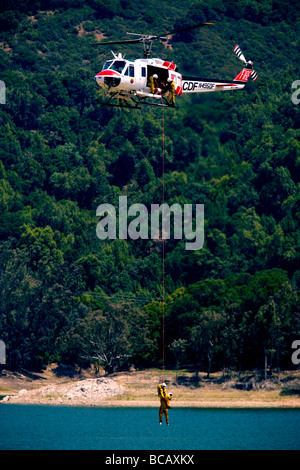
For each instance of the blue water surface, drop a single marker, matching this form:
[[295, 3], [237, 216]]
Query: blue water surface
[[32, 427]]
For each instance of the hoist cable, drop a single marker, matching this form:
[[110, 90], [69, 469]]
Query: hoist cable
[[163, 239]]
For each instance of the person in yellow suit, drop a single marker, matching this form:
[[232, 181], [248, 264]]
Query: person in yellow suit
[[171, 96], [165, 399], [152, 83]]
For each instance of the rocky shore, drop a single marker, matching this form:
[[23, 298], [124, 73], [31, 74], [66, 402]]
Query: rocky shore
[[82, 392]]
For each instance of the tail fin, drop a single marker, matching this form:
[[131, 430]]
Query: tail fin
[[244, 75], [248, 71]]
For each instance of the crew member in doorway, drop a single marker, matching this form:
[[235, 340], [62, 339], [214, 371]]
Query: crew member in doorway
[[165, 399], [153, 83], [171, 96]]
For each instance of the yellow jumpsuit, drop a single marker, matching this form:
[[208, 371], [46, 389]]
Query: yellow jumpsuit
[[171, 95], [164, 404], [153, 84]]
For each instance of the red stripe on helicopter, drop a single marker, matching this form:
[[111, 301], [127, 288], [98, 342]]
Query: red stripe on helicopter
[[243, 76], [226, 84], [169, 65], [108, 72]]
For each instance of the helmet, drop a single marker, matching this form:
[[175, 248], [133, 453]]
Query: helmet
[[155, 76], [171, 394], [163, 384], [169, 79]]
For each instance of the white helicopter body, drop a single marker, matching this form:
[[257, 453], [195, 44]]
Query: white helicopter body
[[127, 81]]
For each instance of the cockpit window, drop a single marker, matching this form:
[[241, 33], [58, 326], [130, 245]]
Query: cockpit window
[[118, 65], [107, 64]]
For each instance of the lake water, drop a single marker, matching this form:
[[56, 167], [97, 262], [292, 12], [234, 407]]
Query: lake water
[[74, 428]]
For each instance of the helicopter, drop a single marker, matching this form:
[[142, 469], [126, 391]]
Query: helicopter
[[125, 83]]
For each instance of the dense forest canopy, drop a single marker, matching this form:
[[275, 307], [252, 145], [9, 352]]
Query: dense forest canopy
[[69, 297]]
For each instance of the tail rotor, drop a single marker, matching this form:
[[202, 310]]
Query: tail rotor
[[249, 64], [239, 53]]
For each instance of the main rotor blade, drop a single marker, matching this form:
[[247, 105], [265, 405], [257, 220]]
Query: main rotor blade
[[200, 25], [145, 38], [127, 41]]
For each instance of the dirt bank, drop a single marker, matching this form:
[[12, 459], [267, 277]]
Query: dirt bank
[[59, 386]]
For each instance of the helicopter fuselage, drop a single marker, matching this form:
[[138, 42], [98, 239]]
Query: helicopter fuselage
[[128, 81], [132, 77]]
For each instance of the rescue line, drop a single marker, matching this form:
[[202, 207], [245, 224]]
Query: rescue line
[[163, 239]]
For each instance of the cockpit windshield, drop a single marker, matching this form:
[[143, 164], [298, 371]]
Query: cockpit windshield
[[118, 65], [107, 64]]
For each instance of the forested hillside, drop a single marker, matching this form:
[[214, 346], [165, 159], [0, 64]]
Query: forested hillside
[[65, 295]]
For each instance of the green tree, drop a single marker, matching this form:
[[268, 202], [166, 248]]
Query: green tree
[[113, 337], [178, 348], [204, 338], [42, 244]]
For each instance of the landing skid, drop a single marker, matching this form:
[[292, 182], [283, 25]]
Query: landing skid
[[125, 101], [153, 104], [118, 105], [116, 100]]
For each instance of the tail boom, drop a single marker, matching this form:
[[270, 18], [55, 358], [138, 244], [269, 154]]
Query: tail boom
[[202, 85]]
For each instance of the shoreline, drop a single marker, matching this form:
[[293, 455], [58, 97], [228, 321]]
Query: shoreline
[[151, 404], [138, 389]]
